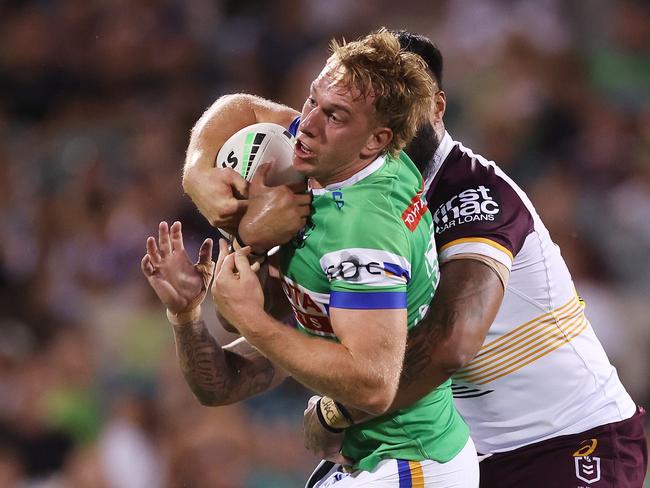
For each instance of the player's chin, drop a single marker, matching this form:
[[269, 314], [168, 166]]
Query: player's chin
[[304, 166]]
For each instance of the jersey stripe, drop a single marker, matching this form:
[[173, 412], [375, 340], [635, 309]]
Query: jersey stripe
[[367, 300], [417, 476], [404, 472], [482, 240], [525, 345], [547, 344], [559, 342], [410, 474], [522, 329], [531, 335]]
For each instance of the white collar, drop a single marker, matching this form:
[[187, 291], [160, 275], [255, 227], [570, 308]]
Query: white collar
[[444, 148], [355, 178]]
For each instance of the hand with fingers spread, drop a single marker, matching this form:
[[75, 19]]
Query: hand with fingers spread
[[275, 214], [236, 289], [221, 198], [180, 285]]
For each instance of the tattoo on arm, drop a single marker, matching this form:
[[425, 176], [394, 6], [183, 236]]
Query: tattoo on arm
[[219, 376], [462, 310], [422, 341], [460, 314]]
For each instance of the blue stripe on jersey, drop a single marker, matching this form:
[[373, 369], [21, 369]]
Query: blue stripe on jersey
[[404, 472], [367, 300], [397, 270], [293, 128]]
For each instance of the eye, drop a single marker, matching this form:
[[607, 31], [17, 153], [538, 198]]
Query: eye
[[311, 101]]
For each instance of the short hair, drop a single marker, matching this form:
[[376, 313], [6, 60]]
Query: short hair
[[398, 80], [427, 50]]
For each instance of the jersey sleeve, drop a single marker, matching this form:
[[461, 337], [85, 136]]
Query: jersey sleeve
[[370, 266], [293, 128], [476, 209]]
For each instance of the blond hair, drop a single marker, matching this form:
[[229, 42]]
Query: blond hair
[[398, 80]]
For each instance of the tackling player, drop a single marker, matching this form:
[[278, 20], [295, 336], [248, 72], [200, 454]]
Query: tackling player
[[540, 391]]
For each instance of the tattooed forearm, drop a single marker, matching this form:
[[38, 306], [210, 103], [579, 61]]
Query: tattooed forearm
[[461, 312], [423, 341], [219, 376]]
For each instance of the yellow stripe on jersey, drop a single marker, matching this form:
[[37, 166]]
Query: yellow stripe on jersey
[[417, 476], [525, 344], [516, 336], [551, 343], [481, 240]]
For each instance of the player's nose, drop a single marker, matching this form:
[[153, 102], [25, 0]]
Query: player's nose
[[308, 123]]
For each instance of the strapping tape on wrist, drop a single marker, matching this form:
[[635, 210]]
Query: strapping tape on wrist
[[184, 317], [332, 415]]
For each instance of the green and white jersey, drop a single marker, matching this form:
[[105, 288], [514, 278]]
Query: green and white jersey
[[369, 245]]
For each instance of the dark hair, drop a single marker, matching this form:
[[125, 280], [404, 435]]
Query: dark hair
[[423, 47]]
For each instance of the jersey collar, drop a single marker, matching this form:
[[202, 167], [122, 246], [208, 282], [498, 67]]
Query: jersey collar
[[355, 178], [439, 157]]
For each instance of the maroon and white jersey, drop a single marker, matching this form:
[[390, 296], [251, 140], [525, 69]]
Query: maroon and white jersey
[[541, 371]]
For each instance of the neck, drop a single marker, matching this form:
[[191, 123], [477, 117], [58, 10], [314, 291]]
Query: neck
[[349, 178], [344, 174], [439, 129]]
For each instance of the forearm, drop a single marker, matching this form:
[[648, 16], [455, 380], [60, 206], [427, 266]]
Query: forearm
[[323, 366], [216, 375], [226, 116], [461, 312], [232, 113]]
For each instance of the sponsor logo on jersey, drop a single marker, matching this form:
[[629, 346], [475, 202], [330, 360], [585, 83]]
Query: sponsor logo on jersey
[[587, 466], [310, 308], [366, 267], [337, 196], [414, 212], [473, 204]]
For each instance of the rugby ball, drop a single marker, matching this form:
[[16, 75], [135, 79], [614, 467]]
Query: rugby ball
[[257, 144], [249, 148]]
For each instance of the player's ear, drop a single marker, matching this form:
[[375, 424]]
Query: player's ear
[[378, 140], [438, 107]]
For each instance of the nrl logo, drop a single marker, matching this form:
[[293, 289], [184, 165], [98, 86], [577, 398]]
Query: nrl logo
[[587, 466]]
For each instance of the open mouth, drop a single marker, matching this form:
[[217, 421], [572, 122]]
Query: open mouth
[[302, 150]]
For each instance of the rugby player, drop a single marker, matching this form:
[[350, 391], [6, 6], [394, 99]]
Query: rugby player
[[544, 405], [360, 274]]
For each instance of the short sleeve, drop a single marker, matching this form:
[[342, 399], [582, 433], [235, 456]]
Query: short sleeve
[[477, 209], [368, 265]]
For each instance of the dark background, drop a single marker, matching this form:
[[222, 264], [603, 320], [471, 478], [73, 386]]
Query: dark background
[[97, 98]]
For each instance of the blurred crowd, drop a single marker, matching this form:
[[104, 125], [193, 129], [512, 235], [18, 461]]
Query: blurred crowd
[[97, 98]]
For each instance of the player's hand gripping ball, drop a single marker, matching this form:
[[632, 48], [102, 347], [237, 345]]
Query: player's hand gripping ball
[[249, 148]]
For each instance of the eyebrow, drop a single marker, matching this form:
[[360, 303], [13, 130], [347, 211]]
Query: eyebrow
[[333, 105]]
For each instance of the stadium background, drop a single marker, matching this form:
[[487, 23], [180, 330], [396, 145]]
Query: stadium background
[[97, 98]]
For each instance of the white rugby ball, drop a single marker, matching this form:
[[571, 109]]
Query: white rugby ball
[[249, 148], [255, 145]]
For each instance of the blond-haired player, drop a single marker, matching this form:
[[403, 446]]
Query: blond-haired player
[[358, 277]]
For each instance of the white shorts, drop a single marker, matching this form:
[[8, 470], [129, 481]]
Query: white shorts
[[459, 472]]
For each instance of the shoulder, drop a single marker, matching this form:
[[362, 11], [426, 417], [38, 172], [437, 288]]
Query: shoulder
[[380, 211], [392, 197], [477, 208]]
